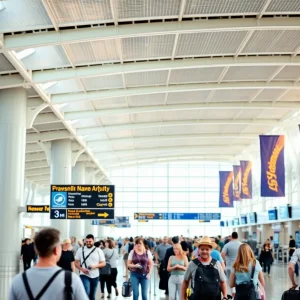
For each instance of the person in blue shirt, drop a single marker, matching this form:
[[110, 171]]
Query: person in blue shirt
[[242, 269]]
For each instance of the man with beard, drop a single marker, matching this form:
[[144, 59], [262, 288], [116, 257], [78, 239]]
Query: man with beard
[[88, 260]]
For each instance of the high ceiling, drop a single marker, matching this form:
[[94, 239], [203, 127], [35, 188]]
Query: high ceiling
[[134, 82]]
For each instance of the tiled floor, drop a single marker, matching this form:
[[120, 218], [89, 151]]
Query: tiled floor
[[275, 285]]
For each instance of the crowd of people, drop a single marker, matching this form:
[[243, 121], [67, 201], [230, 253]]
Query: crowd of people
[[208, 268]]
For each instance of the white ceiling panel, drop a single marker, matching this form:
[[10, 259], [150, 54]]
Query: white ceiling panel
[[104, 148], [292, 95], [47, 57], [5, 65], [284, 6], [147, 117], [78, 106], [23, 15], [182, 115], [96, 137], [146, 78], [195, 75], [255, 73], [145, 145], [273, 41], [115, 120], [31, 92], [119, 134], [83, 123], [187, 129], [257, 128], [147, 100], [269, 95], [227, 114], [148, 47], [289, 73], [177, 143], [187, 97], [49, 127], [92, 52], [208, 129], [248, 114], [274, 114], [110, 103], [103, 82], [217, 7], [233, 95], [146, 132], [80, 11], [123, 147], [235, 128], [65, 86], [209, 43], [136, 9]]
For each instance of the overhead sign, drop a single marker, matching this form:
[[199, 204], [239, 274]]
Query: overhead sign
[[117, 221], [226, 189], [82, 202], [38, 208], [123, 226], [246, 169], [177, 216]]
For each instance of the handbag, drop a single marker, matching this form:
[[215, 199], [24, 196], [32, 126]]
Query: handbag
[[106, 270]]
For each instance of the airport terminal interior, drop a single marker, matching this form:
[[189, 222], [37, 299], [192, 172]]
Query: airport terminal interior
[[152, 118]]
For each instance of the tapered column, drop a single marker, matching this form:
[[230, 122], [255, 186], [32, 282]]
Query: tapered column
[[61, 173], [13, 108]]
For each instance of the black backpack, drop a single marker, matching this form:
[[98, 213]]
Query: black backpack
[[68, 285], [207, 281]]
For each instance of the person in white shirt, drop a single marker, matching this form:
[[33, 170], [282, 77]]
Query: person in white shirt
[[88, 260]]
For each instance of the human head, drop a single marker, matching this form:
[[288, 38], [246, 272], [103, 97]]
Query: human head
[[80, 243], [47, 244], [205, 247], [131, 239], [178, 249], [291, 237], [27, 241], [234, 235], [89, 241], [140, 244], [165, 240], [73, 239], [110, 244], [219, 237], [244, 257], [175, 240], [66, 244]]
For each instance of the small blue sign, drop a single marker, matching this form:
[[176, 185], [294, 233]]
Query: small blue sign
[[58, 200], [205, 217]]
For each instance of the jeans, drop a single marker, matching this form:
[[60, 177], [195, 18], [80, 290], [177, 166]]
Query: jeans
[[267, 267], [175, 282], [137, 279], [90, 285]]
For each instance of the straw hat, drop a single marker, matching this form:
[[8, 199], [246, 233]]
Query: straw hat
[[66, 241], [205, 241], [197, 242]]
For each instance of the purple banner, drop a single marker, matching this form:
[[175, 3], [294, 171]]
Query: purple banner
[[226, 190], [236, 183], [246, 179], [272, 166]]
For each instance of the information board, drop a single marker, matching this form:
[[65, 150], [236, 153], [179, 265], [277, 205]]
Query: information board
[[272, 213], [116, 221], [244, 219], [82, 202], [253, 218], [205, 217], [38, 208]]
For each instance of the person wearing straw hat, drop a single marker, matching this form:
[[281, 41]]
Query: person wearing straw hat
[[207, 277], [67, 259]]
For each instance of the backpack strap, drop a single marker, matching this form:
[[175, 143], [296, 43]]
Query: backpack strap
[[197, 262], [85, 258], [68, 285], [43, 290], [253, 270]]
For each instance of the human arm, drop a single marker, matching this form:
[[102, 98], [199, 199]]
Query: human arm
[[184, 286], [156, 255], [224, 253], [73, 266], [83, 270], [223, 289], [223, 265], [261, 278], [150, 263], [291, 270], [232, 280]]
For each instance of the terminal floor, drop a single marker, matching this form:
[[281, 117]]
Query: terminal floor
[[275, 285]]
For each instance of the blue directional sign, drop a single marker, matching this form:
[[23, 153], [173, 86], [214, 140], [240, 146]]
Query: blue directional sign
[[205, 217], [116, 221]]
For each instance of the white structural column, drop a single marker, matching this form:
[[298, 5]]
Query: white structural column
[[61, 173], [13, 107], [90, 180], [78, 177]]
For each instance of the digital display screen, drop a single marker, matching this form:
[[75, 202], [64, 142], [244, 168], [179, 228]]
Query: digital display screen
[[244, 220], [253, 218], [272, 214]]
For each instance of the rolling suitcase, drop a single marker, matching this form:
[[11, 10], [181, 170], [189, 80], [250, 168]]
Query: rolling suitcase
[[127, 289], [291, 294]]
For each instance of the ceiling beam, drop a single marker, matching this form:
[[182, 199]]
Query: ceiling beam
[[54, 38], [35, 172], [106, 94], [209, 136], [11, 81], [98, 130], [46, 119], [116, 69], [32, 148], [47, 136], [181, 107], [35, 157], [36, 165]]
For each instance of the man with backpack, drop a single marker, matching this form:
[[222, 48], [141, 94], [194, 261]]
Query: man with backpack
[[89, 259], [46, 280], [207, 277]]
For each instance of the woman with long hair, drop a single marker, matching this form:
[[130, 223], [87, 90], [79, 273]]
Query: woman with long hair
[[266, 257], [242, 271], [111, 256], [141, 264], [176, 267]]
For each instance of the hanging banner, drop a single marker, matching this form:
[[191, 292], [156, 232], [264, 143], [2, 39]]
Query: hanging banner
[[246, 179], [236, 183], [226, 189], [272, 166]]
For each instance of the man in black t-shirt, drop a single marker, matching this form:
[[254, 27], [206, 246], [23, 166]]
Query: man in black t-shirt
[[292, 246]]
